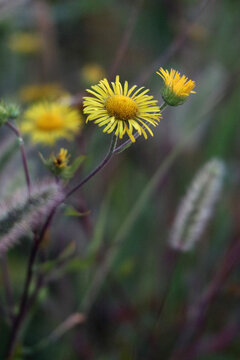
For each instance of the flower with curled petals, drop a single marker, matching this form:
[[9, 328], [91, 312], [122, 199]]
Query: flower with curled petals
[[176, 88], [121, 109]]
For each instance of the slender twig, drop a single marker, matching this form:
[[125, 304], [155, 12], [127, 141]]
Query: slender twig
[[104, 268], [97, 169], [110, 254], [22, 308], [124, 43], [23, 154], [136, 135], [36, 244], [25, 296]]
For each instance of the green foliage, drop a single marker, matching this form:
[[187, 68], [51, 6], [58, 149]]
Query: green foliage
[[67, 172], [8, 112]]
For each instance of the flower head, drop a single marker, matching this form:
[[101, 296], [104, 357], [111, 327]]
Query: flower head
[[61, 160], [120, 109], [37, 92], [176, 87], [57, 164], [47, 122]]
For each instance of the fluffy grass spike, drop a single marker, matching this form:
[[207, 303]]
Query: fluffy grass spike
[[197, 206], [19, 215]]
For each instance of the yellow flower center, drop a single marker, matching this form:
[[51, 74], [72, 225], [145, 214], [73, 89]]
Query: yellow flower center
[[121, 107], [50, 122]]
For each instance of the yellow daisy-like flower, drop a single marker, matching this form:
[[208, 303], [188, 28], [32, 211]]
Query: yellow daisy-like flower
[[25, 43], [48, 122], [62, 159], [37, 92], [121, 110], [177, 88]]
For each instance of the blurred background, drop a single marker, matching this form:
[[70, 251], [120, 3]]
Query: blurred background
[[56, 49]]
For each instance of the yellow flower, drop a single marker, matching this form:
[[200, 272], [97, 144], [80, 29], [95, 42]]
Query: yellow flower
[[25, 43], [177, 88], [121, 110], [47, 122], [91, 73], [36, 92], [61, 160]]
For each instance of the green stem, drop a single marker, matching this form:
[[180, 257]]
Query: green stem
[[37, 241], [129, 142], [124, 229], [97, 169], [162, 107]]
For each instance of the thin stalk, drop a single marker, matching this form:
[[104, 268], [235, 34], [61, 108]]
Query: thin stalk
[[37, 241], [22, 308], [23, 154], [134, 213], [124, 229], [129, 142], [97, 169]]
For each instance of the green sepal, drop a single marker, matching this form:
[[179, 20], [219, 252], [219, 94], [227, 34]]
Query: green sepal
[[171, 98], [8, 111], [3, 114], [66, 173]]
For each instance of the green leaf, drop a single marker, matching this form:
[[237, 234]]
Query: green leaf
[[70, 211]]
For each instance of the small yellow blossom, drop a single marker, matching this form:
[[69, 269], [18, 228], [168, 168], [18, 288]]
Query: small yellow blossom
[[48, 122], [177, 88], [121, 110], [62, 159], [37, 92], [92, 73], [25, 43]]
